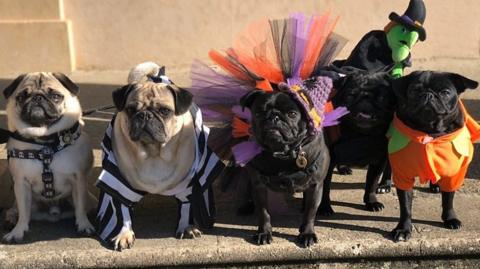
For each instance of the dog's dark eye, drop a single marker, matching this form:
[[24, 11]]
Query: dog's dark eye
[[165, 111], [130, 110], [445, 92], [350, 97], [56, 97], [21, 97], [292, 114]]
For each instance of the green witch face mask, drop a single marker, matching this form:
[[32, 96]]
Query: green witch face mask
[[400, 39]]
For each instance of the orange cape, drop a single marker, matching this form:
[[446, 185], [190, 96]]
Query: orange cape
[[443, 160]]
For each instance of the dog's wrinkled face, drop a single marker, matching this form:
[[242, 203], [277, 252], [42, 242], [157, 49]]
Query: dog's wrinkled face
[[428, 101], [277, 120], [41, 99], [152, 110], [369, 98]]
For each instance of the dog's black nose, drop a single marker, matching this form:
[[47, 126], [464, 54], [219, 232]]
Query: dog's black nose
[[428, 96], [367, 94], [37, 98], [275, 119], [145, 115]]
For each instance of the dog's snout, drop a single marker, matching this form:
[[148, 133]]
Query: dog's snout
[[275, 119], [37, 98], [145, 115], [428, 96], [367, 94]]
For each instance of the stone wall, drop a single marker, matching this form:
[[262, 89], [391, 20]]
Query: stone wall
[[66, 35]]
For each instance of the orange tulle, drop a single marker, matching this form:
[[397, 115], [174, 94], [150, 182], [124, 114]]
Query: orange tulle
[[265, 49], [320, 29], [264, 85], [255, 49], [240, 128], [228, 65]]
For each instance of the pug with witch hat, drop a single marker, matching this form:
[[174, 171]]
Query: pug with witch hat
[[389, 50]]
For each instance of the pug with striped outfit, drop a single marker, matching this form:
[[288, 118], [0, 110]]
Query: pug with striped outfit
[[156, 143]]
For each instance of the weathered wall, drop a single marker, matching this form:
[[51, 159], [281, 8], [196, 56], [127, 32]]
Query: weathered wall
[[116, 34], [34, 36]]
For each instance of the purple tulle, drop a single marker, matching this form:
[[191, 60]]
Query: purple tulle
[[244, 152], [243, 113], [333, 117], [300, 40], [210, 115], [210, 87]]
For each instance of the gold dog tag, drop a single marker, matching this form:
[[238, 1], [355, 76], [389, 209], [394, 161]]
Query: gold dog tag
[[301, 160]]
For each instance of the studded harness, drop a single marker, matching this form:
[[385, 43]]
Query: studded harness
[[51, 144]]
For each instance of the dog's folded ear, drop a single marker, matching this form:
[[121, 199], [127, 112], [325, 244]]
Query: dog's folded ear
[[67, 83], [339, 83], [182, 98], [400, 85], [462, 83], [8, 91], [120, 95], [247, 99]]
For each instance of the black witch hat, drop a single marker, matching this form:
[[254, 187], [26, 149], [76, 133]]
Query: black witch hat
[[413, 18]]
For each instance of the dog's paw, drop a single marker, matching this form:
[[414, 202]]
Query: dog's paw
[[124, 240], [85, 228], [8, 225], [344, 170], [11, 218], [375, 206], [434, 188], [453, 224], [401, 233], [191, 232], [383, 189], [248, 208], [263, 238], [325, 210], [307, 239], [15, 236]]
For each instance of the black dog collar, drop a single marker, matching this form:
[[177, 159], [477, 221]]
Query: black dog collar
[[294, 151]]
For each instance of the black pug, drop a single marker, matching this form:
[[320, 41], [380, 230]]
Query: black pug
[[281, 129], [360, 137], [439, 134]]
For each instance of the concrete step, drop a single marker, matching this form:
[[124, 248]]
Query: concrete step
[[352, 234]]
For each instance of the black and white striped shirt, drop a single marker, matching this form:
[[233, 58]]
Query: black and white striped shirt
[[194, 193]]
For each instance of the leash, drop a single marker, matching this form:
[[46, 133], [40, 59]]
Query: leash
[[99, 109]]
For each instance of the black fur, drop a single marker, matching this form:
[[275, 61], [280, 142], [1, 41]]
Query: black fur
[[120, 95], [67, 83], [362, 141], [8, 91], [182, 98], [280, 128], [429, 102]]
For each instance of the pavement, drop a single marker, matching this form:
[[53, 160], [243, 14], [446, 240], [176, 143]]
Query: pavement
[[353, 237]]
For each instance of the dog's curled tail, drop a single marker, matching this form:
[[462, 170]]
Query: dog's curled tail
[[142, 72]]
